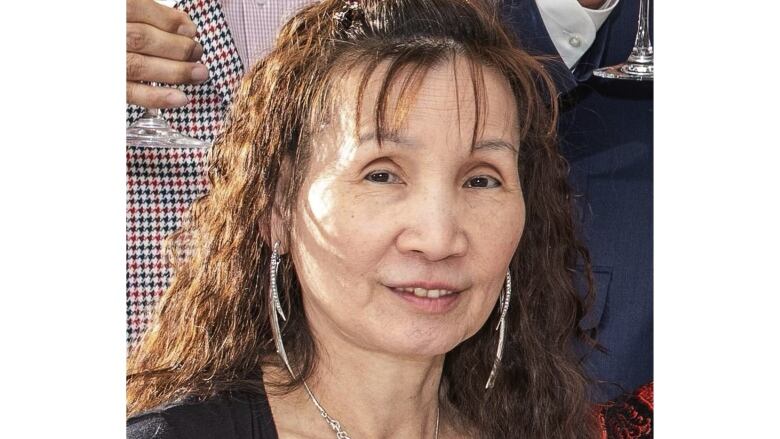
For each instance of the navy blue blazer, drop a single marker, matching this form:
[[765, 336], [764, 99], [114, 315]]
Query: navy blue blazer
[[606, 133]]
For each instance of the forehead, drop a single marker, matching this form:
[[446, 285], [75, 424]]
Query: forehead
[[476, 99]]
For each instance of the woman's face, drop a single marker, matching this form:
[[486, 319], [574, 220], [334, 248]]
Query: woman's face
[[403, 249]]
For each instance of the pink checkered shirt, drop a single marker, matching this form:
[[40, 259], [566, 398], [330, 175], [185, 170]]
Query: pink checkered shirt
[[254, 24]]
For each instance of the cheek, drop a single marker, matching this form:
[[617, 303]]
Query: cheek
[[334, 248], [325, 215], [357, 223], [494, 239], [496, 227]]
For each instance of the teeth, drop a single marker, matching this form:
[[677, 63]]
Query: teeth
[[421, 292]]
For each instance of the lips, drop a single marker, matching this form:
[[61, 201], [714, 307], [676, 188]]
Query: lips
[[436, 299], [422, 292]]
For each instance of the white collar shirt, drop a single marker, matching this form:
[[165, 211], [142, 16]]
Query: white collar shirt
[[573, 27]]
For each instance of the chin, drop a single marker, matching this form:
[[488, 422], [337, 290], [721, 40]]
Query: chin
[[421, 342]]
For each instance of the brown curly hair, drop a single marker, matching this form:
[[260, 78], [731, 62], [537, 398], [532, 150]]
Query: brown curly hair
[[211, 331]]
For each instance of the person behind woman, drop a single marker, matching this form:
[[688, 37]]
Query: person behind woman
[[386, 248]]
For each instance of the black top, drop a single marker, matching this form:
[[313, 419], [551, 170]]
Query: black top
[[248, 416], [229, 416]]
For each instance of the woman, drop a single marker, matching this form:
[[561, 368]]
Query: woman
[[386, 249]]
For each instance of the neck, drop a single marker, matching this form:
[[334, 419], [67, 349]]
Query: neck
[[388, 397], [371, 394]]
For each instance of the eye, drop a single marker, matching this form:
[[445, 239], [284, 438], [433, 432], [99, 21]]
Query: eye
[[386, 177], [482, 181]]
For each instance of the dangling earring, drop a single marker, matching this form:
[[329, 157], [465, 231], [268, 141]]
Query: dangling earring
[[276, 307], [505, 295]]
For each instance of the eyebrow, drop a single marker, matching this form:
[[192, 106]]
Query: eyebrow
[[493, 144], [386, 137], [496, 144]]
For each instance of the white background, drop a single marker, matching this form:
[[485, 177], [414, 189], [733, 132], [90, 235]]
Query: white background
[[62, 229]]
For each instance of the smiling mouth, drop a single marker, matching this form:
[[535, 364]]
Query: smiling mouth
[[433, 301], [422, 292]]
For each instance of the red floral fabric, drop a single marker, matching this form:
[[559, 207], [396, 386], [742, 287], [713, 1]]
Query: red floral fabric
[[629, 417]]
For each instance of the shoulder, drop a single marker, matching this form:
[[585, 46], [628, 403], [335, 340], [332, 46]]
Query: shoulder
[[230, 416], [150, 426]]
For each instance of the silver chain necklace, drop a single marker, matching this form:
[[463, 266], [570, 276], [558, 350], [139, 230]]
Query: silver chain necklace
[[336, 425]]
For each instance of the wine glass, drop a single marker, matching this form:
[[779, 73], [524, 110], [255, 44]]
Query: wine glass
[[152, 130], [639, 65]]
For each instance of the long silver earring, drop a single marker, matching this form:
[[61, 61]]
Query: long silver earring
[[501, 328], [276, 311], [276, 308]]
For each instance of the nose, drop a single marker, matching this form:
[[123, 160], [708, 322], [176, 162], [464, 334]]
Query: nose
[[433, 228]]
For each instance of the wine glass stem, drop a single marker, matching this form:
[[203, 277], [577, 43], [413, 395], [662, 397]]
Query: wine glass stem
[[153, 112], [643, 48]]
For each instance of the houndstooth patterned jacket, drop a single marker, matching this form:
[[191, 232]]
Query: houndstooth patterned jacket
[[163, 182], [202, 116]]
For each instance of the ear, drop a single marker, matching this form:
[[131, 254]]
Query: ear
[[280, 230]]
